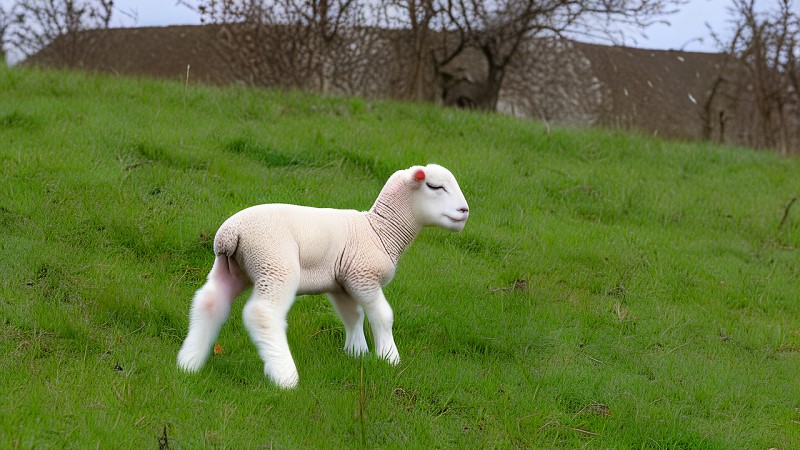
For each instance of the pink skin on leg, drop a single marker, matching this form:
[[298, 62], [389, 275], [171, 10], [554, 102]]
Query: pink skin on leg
[[210, 308]]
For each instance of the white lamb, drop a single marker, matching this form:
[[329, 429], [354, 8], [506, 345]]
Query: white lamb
[[288, 250]]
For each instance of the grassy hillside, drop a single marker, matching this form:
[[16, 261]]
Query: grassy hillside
[[608, 291]]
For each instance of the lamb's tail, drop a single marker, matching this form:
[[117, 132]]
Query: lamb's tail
[[227, 239]]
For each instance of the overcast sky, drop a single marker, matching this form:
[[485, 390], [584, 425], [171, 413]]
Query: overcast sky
[[687, 31]]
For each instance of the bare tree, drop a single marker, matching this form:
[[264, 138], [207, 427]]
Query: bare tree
[[264, 44], [36, 24], [551, 80], [290, 43], [343, 45], [415, 18], [766, 43], [497, 29], [5, 20]]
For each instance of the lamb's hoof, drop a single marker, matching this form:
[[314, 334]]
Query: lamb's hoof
[[356, 352], [392, 358], [287, 380], [286, 383], [190, 362]]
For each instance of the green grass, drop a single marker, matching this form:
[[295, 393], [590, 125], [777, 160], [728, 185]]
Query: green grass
[[660, 310]]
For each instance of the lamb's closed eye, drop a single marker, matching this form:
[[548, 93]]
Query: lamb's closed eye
[[435, 187]]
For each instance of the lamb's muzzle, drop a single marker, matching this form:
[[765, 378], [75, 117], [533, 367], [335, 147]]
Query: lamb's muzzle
[[287, 250]]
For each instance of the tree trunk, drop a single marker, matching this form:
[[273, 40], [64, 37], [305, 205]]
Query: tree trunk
[[783, 135], [494, 82], [420, 54]]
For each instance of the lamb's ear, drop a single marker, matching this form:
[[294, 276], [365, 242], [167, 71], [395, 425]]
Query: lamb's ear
[[414, 176]]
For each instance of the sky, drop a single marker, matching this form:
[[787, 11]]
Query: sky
[[687, 31]]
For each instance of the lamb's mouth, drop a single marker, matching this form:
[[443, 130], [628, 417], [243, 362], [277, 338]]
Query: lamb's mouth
[[463, 219]]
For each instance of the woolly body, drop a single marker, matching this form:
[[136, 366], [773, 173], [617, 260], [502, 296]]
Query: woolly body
[[322, 248], [288, 250]]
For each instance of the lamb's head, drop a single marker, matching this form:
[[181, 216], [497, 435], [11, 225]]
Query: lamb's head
[[436, 198]]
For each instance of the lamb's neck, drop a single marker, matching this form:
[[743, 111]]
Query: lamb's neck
[[394, 224]]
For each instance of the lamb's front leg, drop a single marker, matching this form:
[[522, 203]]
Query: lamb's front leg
[[380, 317], [352, 316]]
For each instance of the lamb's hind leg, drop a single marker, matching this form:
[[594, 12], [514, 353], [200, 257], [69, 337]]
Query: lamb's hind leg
[[265, 318], [352, 316], [210, 308]]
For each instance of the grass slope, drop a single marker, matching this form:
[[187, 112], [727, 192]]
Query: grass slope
[[656, 300]]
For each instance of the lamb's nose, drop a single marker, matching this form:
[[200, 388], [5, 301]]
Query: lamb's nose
[[463, 210]]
